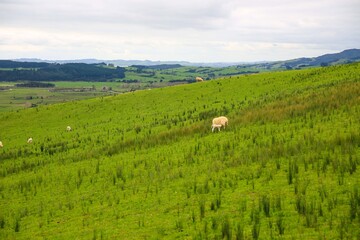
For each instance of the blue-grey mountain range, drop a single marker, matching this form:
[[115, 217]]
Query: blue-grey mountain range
[[346, 56]]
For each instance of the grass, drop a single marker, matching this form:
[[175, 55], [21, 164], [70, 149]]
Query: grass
[[145, 165], [17, 98]]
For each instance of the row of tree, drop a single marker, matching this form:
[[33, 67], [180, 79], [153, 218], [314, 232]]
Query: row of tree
[[35, 85], [58, 72], [14, 64]]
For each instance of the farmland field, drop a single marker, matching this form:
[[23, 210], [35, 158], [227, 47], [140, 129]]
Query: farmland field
[[16, 98], [145, 164], [136, 78]]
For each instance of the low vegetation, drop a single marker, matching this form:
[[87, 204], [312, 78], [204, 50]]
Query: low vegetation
[[145, 164]]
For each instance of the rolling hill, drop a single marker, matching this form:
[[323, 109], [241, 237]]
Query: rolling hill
[[145, 165], [346, 56]]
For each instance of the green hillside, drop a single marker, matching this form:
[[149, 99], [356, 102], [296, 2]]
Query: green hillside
[[145, 164]]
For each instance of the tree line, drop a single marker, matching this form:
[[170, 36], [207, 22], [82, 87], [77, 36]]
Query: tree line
[[35, 85], [58, 72]]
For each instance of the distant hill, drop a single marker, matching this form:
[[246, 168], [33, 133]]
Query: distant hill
[[346, 56], [126, 63]]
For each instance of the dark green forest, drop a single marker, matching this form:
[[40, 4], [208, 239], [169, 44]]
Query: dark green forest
[[17, 71], [14, 64]]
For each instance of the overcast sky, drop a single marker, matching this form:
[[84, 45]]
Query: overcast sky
[[189, 30]]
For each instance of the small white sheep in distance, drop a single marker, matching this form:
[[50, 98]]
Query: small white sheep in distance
[[68, 128], [219, 122], [30, 140], [1, 144], [199, 79]]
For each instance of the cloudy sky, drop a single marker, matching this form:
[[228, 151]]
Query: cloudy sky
[[188, 30]]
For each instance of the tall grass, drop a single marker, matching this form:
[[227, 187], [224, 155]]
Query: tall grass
[[146, 165]]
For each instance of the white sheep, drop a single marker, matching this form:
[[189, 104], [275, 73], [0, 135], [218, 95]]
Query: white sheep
[[30, 140], [219, 122], [199, 79], [68, 128], [1, 144]]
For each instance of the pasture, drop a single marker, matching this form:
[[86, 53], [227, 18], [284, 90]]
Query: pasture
[[145, 164], [136, 78], [16, 98]]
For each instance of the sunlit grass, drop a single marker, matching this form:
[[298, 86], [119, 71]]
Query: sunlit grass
[[145, 165]]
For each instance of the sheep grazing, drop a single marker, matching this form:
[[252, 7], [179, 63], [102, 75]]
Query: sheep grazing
[[68, 128], [30, 140], [1, 144], [199, 79], [219, 122]]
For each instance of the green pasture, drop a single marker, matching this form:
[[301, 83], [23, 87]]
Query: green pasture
[[19, 98], [16, 98], [185, 73], [145, 164]]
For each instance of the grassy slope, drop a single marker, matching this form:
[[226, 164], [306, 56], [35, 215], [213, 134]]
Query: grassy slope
[[146, 165], [190, 73], [19, 98]]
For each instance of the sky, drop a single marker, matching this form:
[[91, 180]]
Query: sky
[[177, 30]]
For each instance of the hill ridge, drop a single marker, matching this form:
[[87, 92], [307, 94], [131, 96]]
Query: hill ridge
[[350, 55]]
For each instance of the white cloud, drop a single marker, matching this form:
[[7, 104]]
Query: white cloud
[[196, 30]]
